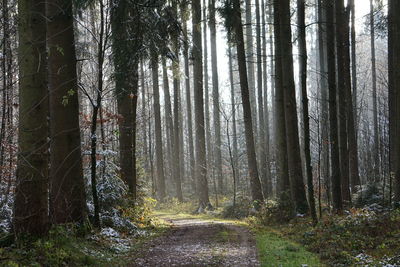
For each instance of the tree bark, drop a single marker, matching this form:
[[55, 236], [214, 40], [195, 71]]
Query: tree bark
[[188, 98], [255, 184], [374, 95], [394, 90], [261, 135], [157, 127], [333, 119], [292, 132], [201, 164], [216, 101], [67, 189], [306, 119], [343, 75], [31, 192], [283, 183]]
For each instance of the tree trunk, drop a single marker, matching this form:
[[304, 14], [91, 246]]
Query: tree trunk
[[292, 133], [178, 161], [333, 119], [343, 74], [250, 64], [283, 183], [374, 95], [255, 184], [157, 127], [394, 90], [31, 193], [125, 90], [67, 189], [201, 164], [261, 135], [233, 108], [324, 122], [216, 101], [169, 126], [188, 99], [306, 119]]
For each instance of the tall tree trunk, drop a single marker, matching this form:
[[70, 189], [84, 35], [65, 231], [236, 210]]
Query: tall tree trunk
[[201, 164], [124, 91], [324, 122], [352, 109], [96, 108], [261, 135], [333, 119], [157, 127], [343, 74], [216, 111], [67, 188], [292, 132], [306, 119], [31, 193], [374, 95], [266, 147], [169, 126], [255, 184], [178, 161], [250, 64], [394, 90], [283, 186], [188, 98], [233, 108]]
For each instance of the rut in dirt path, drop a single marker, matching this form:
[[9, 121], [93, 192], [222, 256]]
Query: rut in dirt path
[[193, 242]]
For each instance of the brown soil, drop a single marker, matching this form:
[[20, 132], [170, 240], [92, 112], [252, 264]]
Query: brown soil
[[193, 242]]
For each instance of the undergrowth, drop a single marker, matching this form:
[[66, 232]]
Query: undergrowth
[[361, 237], [80, 245]]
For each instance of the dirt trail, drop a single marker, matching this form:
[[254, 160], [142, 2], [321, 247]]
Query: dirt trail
[[194, 242]]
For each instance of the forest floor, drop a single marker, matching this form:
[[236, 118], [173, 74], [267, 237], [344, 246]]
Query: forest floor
[[199, 241], [209, 240]]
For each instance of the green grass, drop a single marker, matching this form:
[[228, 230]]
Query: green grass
[[275, 250]]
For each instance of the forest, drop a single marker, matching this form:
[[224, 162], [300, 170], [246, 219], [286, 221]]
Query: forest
[[199, 133]]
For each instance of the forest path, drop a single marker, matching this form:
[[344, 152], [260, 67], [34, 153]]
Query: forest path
[[200, 242]]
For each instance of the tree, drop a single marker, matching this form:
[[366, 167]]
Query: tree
[[283, 187], [184, 14], [394, 89], [157, 125], [216, 111], [31, 193], [343, 74], [249, 48], [260, 87], [255, 184], [178, 160], [351, 108], [201, 164], [292, 137], [333, 121], [374, 95], [125, 89], [67, 190], [306, 119], [266, 147]]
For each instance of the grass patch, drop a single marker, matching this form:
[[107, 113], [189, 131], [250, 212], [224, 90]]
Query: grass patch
[[275, 250]]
